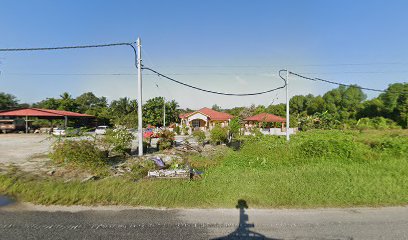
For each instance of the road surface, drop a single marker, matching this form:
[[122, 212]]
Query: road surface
[[26, 221]]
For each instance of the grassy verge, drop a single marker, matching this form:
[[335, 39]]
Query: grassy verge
[[317, 169]]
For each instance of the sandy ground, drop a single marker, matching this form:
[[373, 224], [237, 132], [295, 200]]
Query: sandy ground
[[27, 152]]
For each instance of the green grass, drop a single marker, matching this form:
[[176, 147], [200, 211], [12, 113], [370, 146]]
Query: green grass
[[316, 169]]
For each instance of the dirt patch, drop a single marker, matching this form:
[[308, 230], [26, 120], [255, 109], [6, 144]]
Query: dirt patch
[[27, 152]]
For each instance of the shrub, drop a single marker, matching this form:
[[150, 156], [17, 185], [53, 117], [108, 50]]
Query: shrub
[[177, 130], [140, 169], [199, 136], [185, 130], [118, 140], [379, 123], [396, 145], [82, 153], [218, 135], [166, 139], [234, 127]]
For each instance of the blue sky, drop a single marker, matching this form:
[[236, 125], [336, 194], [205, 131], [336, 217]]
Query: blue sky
[[230, 46]]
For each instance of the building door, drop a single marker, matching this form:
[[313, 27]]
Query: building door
[[196, 123]]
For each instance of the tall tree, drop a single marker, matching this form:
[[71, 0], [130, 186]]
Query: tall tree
[[153, 111], [89, 103], [216, 107], [67, 103], [396, 104], [48, 103], [7, 101]]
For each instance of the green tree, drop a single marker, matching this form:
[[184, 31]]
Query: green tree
[[298, 104], [7, 101], [234, 127], [67, 103], [371, 108], [153, 111], [216, 107], [123, 112], [48, 103], [89, 103], [396, 103], [172, 112], [278, 109]]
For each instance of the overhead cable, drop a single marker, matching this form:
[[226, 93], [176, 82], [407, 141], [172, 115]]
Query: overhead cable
[[130, 44], [342, 84], [216, 92]]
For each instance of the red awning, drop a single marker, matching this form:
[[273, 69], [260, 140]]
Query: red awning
[[38, 112]]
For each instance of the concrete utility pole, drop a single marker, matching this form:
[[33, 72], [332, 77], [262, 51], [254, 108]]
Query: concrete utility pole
[[287, 106], [139, 97], [164, 112]]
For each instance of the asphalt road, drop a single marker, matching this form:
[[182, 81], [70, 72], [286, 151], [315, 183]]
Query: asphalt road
[[25, 221]]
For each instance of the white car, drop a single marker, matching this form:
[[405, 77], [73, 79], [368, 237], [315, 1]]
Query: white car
[[58, 132], [100, 130]]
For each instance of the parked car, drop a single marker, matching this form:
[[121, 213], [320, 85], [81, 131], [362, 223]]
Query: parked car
[[101, 130], [66, 132], [58, 132]]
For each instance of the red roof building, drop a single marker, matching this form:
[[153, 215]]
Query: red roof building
[[211, 114], [265, 117], [40, 113], [205, 118]]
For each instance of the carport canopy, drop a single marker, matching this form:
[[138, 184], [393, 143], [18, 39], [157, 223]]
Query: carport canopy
[[42, 114]]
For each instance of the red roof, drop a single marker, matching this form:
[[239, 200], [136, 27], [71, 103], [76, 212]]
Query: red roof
[[38, 112], [265, 117], [184, 115], [212, 114]]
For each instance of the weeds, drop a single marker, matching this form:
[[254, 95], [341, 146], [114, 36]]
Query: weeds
[[316, 169], [79, 153]]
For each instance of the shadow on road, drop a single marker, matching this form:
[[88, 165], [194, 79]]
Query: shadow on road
[[243, 231]]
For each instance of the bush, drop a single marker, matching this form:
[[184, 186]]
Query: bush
[[218, 135], [83, 153], [177, 130], [199, 136], [234, 127], [140, 169], [166, 139], [379, 123], [185, 130], [118, 140]]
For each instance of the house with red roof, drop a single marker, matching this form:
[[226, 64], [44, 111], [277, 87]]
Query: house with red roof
[[264, 118], [205, 119], [268, 124]]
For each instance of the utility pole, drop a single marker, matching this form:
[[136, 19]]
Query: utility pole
[[164, 113], [287, 107], [139, 97]]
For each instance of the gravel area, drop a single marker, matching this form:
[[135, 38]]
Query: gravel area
[[26, 151]]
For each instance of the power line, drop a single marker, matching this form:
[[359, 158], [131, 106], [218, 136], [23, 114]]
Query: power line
[[342, 84], [126, 74], [289, 65], [64, 47], [130, 44], [215, 92]]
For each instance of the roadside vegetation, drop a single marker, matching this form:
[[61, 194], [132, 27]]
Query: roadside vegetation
[[318, 168]]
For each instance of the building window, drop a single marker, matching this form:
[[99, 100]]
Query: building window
[[195, 123]]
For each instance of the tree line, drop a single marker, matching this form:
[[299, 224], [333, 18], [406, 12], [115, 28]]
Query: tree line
[[341, 107]]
